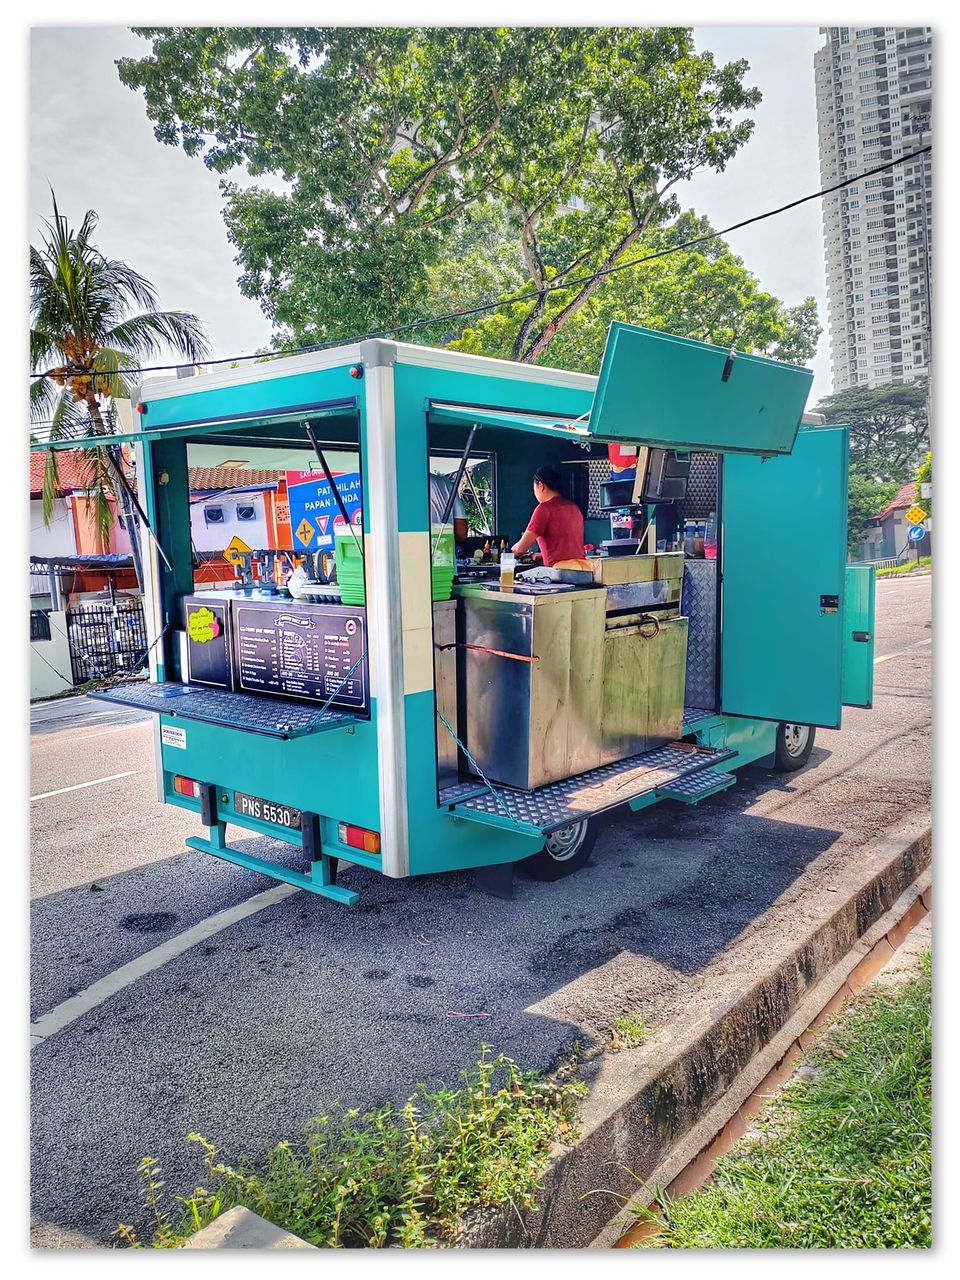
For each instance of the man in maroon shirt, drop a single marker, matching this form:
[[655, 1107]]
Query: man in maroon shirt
[[556, 523]]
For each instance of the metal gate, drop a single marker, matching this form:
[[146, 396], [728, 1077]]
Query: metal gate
[[106, 638]]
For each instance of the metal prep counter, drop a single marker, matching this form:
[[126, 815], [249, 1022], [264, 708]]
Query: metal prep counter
[[553, 684]]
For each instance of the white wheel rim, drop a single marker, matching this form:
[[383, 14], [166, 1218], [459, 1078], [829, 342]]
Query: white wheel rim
[[565, 842], [795, 738]]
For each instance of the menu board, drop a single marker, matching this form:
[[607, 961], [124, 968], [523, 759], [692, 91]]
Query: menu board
[[301, 651]]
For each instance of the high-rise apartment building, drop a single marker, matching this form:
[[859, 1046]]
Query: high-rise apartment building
[[873, 105]]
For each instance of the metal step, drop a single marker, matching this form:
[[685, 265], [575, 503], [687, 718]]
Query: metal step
[[690, 790], [561, 803]]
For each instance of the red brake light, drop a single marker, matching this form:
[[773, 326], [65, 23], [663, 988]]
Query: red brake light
[[186, 787], [358, 837]]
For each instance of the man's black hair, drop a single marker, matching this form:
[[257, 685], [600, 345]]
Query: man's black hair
[[549, 476]]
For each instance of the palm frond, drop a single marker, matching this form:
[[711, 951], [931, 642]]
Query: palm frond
[[97, 498], [147, 335], [51, 486], [109, 362], [43, 399]]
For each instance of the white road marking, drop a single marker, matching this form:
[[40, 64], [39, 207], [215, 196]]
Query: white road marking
[[70, 1010], [95, 782], [121, 728], [900, 652]]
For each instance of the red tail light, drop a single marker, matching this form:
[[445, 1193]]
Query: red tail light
[[359, 837], [186, 787]]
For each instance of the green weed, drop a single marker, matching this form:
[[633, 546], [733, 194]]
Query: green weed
[[400, 1177], [627, 1032], [908, 566], [843, 1159]]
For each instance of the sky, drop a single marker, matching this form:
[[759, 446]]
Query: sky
[[160, 209]]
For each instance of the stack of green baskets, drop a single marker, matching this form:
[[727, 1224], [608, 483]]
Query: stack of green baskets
[[443, 564], [350, 563]]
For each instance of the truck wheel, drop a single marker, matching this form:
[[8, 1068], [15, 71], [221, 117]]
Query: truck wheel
[[794, 744], [564, 851]]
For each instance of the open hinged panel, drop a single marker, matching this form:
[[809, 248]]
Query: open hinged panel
[[671, 393], [250, 713]]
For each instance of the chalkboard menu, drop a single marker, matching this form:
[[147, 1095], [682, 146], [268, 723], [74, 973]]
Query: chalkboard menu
[[301, 651], [207, 625]]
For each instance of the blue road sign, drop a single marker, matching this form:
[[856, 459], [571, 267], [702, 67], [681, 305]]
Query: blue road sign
[[313, 509], [916, 533]]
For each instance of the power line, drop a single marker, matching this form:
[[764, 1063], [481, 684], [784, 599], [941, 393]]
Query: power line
[[537, 293]]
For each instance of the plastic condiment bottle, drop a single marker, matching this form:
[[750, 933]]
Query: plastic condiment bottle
[[508, 564]]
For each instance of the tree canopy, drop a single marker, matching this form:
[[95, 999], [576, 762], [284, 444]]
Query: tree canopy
[[379, 142], [704, 292], [889, 433]]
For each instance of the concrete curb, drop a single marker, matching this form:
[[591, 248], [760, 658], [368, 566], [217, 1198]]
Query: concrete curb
[[693, 1161], [241, 1228], [652, 1111]]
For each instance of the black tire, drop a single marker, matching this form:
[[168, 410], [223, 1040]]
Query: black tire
[[794, 744], [564, 851]]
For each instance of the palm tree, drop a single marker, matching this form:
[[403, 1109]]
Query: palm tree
[[82, 337]]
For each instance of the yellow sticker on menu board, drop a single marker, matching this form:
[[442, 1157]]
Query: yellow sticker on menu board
[[203, 625]]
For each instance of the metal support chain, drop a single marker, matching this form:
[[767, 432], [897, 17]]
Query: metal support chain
[[498, 799], [326, 706]]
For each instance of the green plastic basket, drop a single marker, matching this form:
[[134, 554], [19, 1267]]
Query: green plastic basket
[[350, 565]]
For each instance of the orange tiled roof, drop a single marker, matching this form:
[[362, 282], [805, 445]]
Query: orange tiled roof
[[231, 477], [905, 497], [73, 470]]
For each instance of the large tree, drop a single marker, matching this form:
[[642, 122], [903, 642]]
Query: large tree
[[382, 138], [866, 498], [889, 433], [91, 318], [704, 292]]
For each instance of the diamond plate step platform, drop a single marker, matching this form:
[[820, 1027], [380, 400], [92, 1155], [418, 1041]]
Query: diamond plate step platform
[[693, 715], [245, 711], [461, 791], [691, 789], [560, 803]]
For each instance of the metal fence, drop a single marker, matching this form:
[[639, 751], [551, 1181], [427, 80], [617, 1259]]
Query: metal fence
[[890, 563], [106, 638]]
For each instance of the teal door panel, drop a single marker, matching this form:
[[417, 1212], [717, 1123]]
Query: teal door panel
[[859, 598], [783, 547], [680, 394]]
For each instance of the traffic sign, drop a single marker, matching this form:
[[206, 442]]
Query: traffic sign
[[916, 532], [236, 548], [916, 515], [305, 531]]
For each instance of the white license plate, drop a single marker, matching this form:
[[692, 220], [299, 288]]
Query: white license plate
[[283, 815]]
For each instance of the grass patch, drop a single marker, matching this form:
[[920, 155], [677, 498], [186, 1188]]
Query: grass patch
[[628, 1032], [842, 1160], [390, 1177], [910, 566]]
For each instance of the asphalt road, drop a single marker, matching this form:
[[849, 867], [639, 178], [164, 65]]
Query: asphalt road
[[253, 1030]]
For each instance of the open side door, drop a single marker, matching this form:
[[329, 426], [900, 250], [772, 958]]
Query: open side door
[[859, 598], [783, 550]]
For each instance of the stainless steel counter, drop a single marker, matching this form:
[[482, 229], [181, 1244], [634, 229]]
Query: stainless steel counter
[[532, 670], [552, 685]]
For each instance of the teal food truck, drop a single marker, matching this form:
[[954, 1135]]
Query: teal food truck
[[422, 713]]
